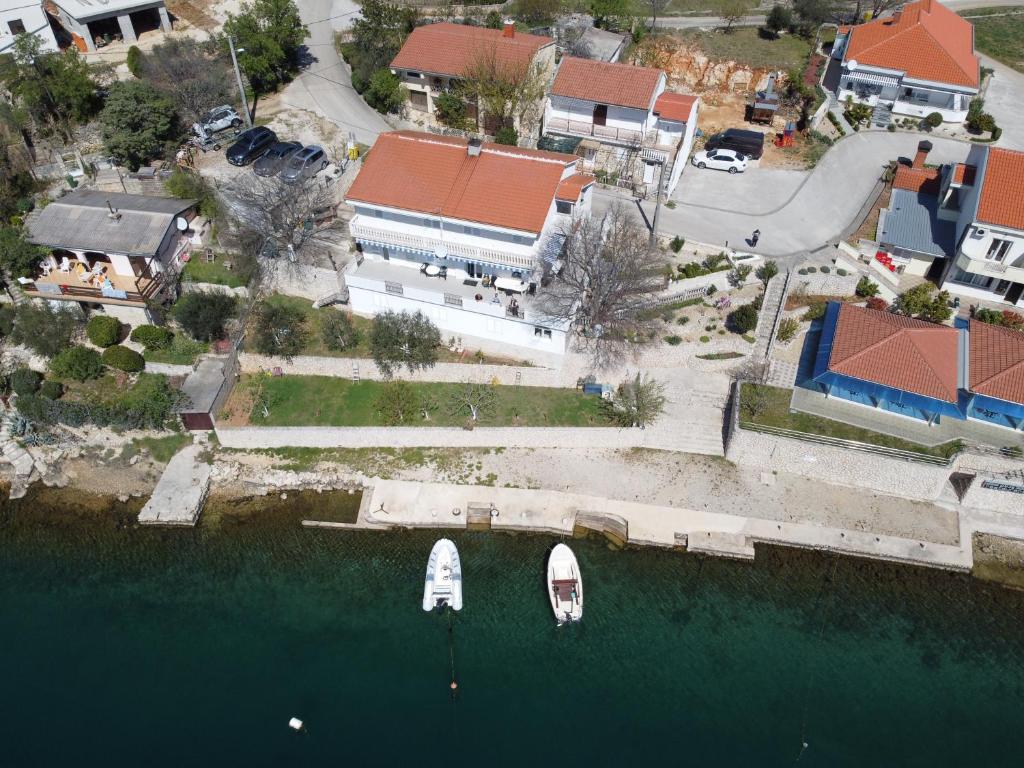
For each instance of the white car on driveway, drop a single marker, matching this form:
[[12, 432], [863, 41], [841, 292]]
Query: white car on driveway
[[721, 160]]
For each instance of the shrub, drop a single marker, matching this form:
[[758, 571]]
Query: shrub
[[890, 128], [744, 318], [677, 244], [338, 332], [44, 330], [802, 271], [134, 59], [124, 359], [815, 310], [812, 270], [204, 315], [6, 319], [79, 363], [25, 381], [103, 330], [506, 135], [826, 269], [280, 329], [866, 287], [934, 120], [842, 272], [788, 327], [147, 405], [712, 290], [878, 303], [152, 336], [51, 390], [705, 339], [674, 340]]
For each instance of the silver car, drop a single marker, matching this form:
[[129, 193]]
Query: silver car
[[305, 163]]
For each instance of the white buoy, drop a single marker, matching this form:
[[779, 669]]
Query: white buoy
[[295, 724]]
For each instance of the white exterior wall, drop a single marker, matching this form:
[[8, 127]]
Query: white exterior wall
[[625, 118], [32, 15], [683, 153], [952, 102]]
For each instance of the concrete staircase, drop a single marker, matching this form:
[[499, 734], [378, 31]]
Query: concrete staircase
[[768, 317], [881, 116]]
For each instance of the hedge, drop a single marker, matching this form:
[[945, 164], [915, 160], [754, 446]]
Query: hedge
[[123, 359], [152, 336]]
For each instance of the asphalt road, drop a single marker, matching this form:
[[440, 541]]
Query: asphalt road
[[1004, 100], [325, 86]]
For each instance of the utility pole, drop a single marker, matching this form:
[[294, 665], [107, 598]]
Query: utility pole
[[238, 78], [657, 203]]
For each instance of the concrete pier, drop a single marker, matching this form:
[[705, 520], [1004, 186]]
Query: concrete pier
[[181, 492], [404, 504]]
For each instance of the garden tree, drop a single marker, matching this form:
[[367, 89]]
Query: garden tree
[[272, 34], [278, 329], [920, 302], [655, 7], [755, 399], [377, 35], [195, 75], [18, 257], [204, 315], [638, 402], [44, 330], [16, 182], [397, 402], [473, 399], [813, 13], [263, 397], [79, 363], [739, 275], [575, 44], [536, 11], [766, 272], [403, 339], [788, 327], [283, 215], [507, 92], [56, 91], [608, 13], [138, 122], [732, 11], [607, 286], [493, 20], [385, 92], [338, 332], [744, 318], [450, 109], [189, 185], [779, 18], [866, 288]]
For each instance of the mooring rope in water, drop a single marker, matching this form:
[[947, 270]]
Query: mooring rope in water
[[804, 744]]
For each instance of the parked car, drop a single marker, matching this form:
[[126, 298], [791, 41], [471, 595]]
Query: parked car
[[272, 162], [749, 143], [306, 163], [721, 160], [217, 119], [251, 145]]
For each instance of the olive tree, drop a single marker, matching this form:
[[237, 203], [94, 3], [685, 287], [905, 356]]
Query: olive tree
[[403, 339], [638, 402]]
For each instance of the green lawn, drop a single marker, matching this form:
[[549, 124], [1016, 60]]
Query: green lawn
[[198, 270], [776, 413], [160, 448], [183, 351], [328, 401], [1001, 37], [744, 45]]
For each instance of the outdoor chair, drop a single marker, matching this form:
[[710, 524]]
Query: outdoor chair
[[65, 264]]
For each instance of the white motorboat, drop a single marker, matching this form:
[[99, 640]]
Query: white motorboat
[[565, 585], [443, 586]]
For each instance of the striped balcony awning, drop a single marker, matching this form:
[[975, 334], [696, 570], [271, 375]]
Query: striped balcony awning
[[864, 77]]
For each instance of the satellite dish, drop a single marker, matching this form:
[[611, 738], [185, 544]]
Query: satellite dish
[[181, 223], [851, 65], [441, 252]]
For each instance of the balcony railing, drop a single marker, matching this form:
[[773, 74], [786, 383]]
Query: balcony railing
[[605, 132], [431, 245], [144, 288]]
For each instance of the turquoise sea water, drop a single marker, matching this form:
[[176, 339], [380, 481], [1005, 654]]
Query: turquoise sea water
[[121, 646]]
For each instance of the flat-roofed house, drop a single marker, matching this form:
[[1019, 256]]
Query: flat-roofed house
[[437, 58], [25, 17], [629, 124], [111, 249], [463, 231], [918, 61]]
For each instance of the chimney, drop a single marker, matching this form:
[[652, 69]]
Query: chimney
[[923, 148], [509, 29], [473, 148]]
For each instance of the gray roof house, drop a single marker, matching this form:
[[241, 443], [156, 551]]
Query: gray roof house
[[109, 248]]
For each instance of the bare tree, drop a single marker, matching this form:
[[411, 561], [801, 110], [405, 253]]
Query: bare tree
[[638, 402], [288, 217], [472, 398], [575, 44], [606, 289], [656, 6], [508, 92], [192, 73], [733, 11]]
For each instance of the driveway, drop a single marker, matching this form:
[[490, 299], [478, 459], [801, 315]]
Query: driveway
[[796, 211], [1005, 101], [325, 86]]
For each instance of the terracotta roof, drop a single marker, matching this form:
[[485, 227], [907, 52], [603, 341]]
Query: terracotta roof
[[964, 174], [896, 351], [622, 85], [451, 49], [504, 187], [1002, 189], [572, 186], [926, 40], [675, 106], [842, 29], [926, 180], [997, 362]]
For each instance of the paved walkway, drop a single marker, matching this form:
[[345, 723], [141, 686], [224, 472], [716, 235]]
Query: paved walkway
[[1005, 101]]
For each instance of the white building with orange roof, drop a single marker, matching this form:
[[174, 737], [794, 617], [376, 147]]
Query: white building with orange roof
[[465, 232], [628, 123], [918, 61]]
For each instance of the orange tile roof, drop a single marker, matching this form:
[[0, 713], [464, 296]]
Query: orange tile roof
[[926, 40], [452, 49], [926, 180], [572, 186], [997, 362], [1001, 200], [896, 351], [504, 187], [621, 85], [964, 174], [675, 106]]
